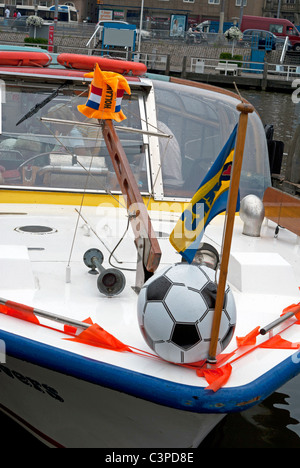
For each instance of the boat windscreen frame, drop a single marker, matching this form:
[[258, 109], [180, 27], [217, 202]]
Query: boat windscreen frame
[[139, 89]]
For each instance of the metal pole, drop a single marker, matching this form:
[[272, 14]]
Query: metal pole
[[241, 13], [279, 8], [42, 313], [222, 14], [141, 25], [117, 127], [55, 13]]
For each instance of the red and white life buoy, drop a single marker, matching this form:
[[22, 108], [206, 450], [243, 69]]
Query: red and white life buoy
[[24, 59], [88, 62]]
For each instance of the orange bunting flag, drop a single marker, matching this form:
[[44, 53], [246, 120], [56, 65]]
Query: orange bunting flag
[[248, 340], [97, 336], [19, 311], [216, 378], [295, 308], [105, 96], [279, 343]]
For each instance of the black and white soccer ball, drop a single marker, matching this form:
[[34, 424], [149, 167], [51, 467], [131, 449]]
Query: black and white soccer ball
[[175, 313]]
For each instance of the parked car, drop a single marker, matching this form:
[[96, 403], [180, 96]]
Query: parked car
[[278, 26], [19, 24], [264, 39]]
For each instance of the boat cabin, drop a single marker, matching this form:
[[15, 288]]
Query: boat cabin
[[175, 134]]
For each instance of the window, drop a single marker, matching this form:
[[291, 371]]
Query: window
[[238, 3], [59, 156], [214, 2], [276, 28], [200, 123]]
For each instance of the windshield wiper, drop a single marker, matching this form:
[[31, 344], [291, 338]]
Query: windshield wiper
[[39, 106]]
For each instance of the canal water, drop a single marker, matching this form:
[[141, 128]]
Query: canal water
[[276, 422], [278, 109]]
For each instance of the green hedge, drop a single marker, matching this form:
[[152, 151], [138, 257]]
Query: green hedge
[[225, 56], [233, 59], [36, 40]]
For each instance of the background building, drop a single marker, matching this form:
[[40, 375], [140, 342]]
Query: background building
[[289, 9], [159, 12]]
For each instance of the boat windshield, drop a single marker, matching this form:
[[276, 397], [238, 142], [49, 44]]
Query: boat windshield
[[201, 122], [54, 155]]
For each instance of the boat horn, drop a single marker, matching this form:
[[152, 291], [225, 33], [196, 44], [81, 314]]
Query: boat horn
[[111, 282]]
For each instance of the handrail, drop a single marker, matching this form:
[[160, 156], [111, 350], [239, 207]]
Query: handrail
[[284, 50], [93, 35]]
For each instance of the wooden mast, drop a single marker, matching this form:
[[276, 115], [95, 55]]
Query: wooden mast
[[149, 252], [244, 109]]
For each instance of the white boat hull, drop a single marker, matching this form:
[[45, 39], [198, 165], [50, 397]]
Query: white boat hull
[[79, 414]]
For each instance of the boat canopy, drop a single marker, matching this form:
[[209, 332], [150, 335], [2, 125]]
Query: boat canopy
[[176, 133]]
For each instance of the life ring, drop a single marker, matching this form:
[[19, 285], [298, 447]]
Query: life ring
[[88, 62], [24, 59]]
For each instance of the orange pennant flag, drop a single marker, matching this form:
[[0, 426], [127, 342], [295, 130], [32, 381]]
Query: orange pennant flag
[[216, 378], [71, 330], [248, 340], [279, 343], [295, 308], [19, 311], [97, 336]]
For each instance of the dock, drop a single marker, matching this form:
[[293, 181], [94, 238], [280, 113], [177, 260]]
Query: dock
[[265, 81], [203, 64]]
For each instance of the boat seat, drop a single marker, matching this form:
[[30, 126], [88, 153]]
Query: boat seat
[[10, 160]]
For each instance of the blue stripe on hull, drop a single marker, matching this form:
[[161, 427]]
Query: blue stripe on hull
[[160, 391]]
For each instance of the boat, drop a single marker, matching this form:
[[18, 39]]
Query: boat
[[87, 62], [24, 58], [87, 210]]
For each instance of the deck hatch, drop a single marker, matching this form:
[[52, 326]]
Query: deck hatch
[[34, 229]]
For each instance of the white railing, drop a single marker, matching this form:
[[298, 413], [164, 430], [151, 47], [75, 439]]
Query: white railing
[[151, 60], [245, 68], [200, 65], [226, 67], [94, 37], [284, 71]]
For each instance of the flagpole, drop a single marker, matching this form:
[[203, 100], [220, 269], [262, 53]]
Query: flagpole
[[244, 109]]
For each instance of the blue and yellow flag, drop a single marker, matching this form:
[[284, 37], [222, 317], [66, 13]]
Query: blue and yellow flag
[[209, 201]]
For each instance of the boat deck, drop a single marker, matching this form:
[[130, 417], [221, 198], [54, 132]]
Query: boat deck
[[36, 276]]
